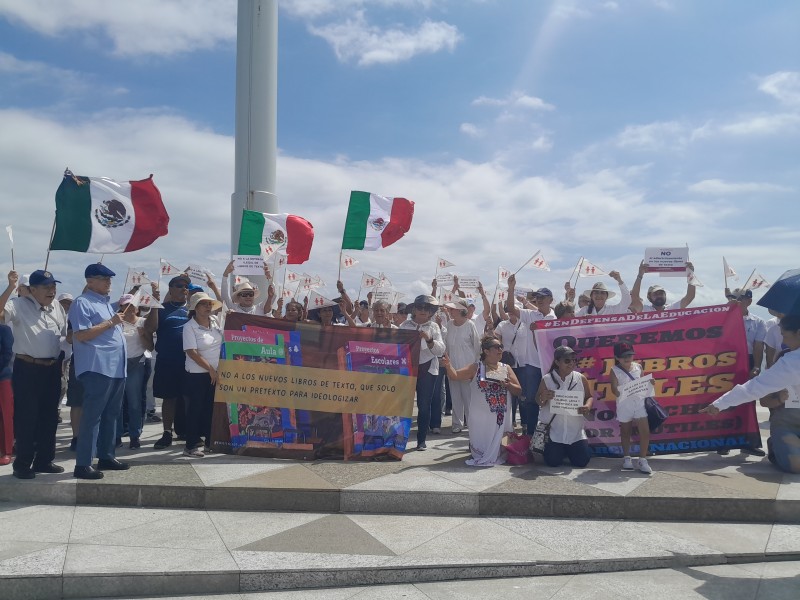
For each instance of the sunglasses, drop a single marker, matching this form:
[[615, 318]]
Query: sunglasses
[[246, 295]]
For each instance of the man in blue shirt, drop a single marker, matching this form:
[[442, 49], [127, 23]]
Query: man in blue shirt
[[100, 365]]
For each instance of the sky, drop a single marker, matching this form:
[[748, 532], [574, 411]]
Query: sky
[[573, 127]]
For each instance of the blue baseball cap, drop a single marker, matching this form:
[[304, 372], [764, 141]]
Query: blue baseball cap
[[41, 277], [543, 292], [193, 287], [98, 270]]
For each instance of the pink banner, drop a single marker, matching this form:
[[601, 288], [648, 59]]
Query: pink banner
[[694, 354]]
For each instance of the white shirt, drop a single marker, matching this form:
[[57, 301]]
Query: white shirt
[[565, 429], [462, 343], [513, 337], [784, 374], [527, 317], [755, 329], [428, 353], [774, 339], [620, 308], [207, 341], [133, 339], [651, 308], [38, 330]]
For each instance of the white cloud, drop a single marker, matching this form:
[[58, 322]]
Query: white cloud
[[718, 187], [144, 27], [761, 125], [355, 39], [783, 86], [515, 99], [654, 136], [471, 130], [315, 9]]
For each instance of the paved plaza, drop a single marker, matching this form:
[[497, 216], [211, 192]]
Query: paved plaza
[[425, 527]]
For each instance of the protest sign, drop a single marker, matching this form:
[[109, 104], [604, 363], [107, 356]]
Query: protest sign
[[248, 265], [199, 275], [670, 262], [793, 399], [445, 280], [295, 390], [694, 354], [566, 402], [470, 282], [637, 388]]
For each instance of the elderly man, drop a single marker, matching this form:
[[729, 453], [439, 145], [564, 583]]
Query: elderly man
[[39, 325], [98, 351], [657, 295]]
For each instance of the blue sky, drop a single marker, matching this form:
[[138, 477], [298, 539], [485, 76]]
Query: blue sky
[[575, 127]]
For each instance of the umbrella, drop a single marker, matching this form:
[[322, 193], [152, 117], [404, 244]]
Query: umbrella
[[784, 295]]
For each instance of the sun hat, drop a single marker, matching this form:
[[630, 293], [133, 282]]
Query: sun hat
[[200, 297], [245, 286], [599, 287]]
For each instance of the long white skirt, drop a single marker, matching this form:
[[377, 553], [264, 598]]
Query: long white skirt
[[485, 434]]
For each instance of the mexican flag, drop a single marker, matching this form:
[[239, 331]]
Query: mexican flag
[[375, 221], [287, 232], [103, 216]]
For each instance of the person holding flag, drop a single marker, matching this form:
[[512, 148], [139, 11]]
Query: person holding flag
[[599, 294], [136, 343]]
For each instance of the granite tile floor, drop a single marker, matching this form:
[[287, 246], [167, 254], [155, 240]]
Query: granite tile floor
[[119, 550]]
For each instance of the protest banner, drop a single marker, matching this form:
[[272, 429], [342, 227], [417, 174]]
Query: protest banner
[[294, 390], [694, 354], [670, 262]]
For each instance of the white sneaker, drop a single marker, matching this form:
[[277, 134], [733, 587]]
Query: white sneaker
[[456, 429], [627, 464], [644, 467]]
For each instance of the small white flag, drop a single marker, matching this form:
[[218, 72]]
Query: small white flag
[[237, 279], [692, 279], [137, 276], [729, 272], [445, 296], [443, 264], [588, 269], [316, 300], [348, 261], [757, 280], [268, 250], [290, 291], [168, 269], [502, 295], [143, 299], [281, 260], [539, 262], [10, 234], [384, 280], [368, 281], [502, 275], [292, 276]]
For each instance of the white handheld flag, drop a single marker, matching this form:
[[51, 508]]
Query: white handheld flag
[[756, 280], [10, 234], [443, 264], [588, 269], [540, 263], [316, 300], [729, 272], [168, 269], [347, 261], [143, 299], [502, 275], [292, 276], [137, 276], [368, 280], [692, 279]]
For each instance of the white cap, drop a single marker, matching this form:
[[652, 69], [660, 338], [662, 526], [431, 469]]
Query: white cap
[[64, 296]]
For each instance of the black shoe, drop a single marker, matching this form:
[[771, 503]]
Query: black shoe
[[135, 444], [753, 451], [164, 442], [24, 473], [112, 465], [50, 468], [153, 418], [87, 473], [73, 445], [422, 446], [180, 437]]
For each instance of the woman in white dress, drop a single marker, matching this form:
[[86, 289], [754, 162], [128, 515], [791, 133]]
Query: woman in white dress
[[491, 381]]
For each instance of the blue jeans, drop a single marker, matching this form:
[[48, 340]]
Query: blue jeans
[[427, 398], [578, 453], [102, 399], [134, 392], [784, 445], [529, 379]]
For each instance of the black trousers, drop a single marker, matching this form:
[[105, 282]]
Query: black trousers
[[198, 394], [37, 391]]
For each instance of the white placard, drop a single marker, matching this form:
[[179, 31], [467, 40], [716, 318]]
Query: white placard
[[667, 261], [793, 399], [637, 388], [566, 402], [445, 280], [244, 264], [469, 282], [385, 294], [199, 275]]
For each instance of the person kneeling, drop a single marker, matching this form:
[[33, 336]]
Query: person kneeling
[[567, 436]]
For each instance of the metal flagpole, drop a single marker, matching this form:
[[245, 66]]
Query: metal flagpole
[[52, 233]]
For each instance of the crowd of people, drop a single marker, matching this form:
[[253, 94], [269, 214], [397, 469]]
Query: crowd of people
[[478, 364]]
